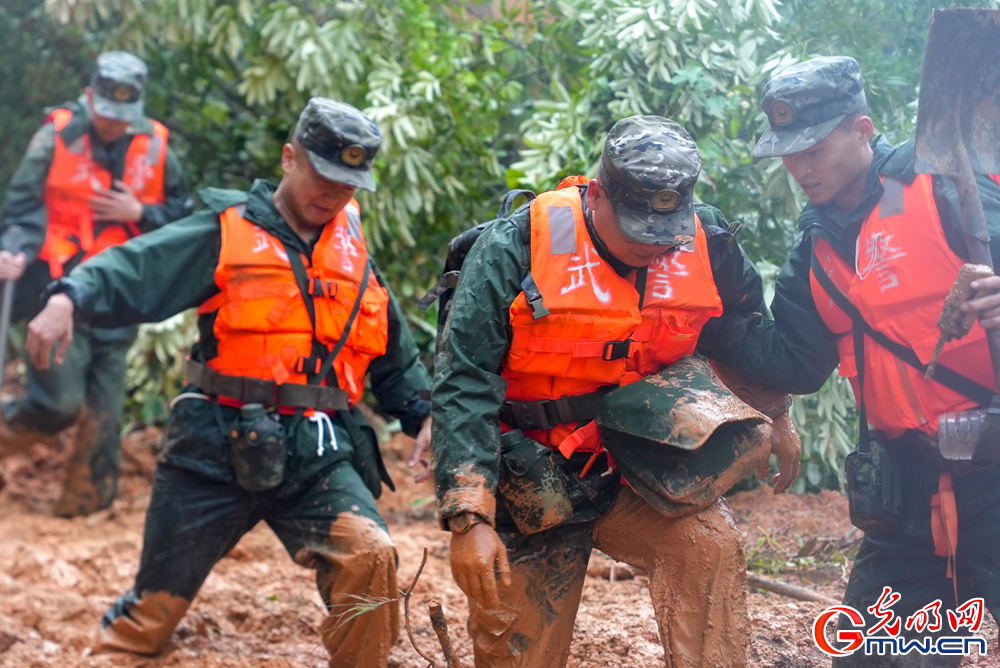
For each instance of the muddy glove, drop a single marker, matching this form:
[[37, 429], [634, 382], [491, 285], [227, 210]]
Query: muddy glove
[[477, 557], [785, 443]]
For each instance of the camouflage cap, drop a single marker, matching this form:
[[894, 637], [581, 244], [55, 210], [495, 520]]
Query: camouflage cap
[[340, 140], [806, 101], [118, 84], [649, 169]]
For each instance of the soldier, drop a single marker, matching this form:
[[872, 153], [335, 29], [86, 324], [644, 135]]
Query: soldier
[[878, 250], [293, 316], [599, 282], [97, 173]]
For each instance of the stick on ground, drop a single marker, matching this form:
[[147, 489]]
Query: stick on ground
[[440, 625], [784, 589], [405, 594]]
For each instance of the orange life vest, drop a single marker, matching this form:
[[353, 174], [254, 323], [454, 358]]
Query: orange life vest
[[996, 177], [905, 269], [72, 180], [594, 314], [263, 326]]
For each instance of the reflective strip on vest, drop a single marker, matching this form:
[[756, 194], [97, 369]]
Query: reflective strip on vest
[[73, 178], [905, 270], [590, 305], [262, 324]]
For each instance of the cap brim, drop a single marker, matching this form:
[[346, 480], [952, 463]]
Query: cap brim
[[359, 178], [119, 111], [656, 229], [785, 142]]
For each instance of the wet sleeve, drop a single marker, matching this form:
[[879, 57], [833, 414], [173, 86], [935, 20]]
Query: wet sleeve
[[795, 352], [468, 387], [398, 378], [151, 277], [178, 202], [24, 204], [736, 278]]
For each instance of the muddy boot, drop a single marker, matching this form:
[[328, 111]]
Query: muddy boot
[[15, 437], [85, 491], [140, 625]]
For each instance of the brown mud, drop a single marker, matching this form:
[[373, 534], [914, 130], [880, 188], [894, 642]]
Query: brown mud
[[259, 609]]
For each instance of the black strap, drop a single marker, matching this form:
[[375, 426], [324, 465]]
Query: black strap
[[640, 284], [949, 378], [864, 435], [508, 201], [448, 281], [302, 280], [249, 390], [328, 362], [548, 413]]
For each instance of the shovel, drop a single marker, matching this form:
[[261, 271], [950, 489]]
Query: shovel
[[958, 135], [12, 244]]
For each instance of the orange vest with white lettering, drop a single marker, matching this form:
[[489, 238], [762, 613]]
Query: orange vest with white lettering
[[905, 270], [74, 177], [592, 310], [262, 323]]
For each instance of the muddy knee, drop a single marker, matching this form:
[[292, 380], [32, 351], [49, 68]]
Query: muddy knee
[[356, 573]]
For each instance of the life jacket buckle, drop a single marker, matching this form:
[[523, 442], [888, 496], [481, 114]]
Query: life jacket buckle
[[318, 288], [618, 350], [313, 363]]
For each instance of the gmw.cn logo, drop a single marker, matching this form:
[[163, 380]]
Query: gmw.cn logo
[[964, 621]]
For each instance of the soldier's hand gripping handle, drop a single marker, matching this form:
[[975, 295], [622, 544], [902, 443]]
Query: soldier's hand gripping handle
[[986, 305], [52, 327], [478, 556], [12, 260]]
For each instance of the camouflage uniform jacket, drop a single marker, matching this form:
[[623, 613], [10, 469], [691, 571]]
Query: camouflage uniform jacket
[[468, 388]]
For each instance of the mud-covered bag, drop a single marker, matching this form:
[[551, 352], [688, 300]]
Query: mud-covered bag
[[681, 438], [257, 449], [874, 487], [534, 487]]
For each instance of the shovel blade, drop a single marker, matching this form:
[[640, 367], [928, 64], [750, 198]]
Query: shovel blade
[[959, 108]]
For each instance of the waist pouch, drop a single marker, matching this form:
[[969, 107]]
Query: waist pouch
[[540, 490], [681, 438], [257, 449], [874, 486]]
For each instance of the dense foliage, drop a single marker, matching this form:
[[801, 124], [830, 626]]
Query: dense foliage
[[473, 99]]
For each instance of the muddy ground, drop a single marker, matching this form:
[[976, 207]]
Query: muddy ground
[[258, 609]]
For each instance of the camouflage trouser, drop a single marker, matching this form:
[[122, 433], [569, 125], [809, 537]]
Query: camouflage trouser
[[697, 581], [88, 386], [330, 525], [906, 562]]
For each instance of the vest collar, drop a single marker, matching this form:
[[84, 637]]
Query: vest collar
[[617, 265]]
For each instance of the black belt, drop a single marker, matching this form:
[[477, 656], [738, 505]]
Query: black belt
[[249, 390], [548, 413]]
